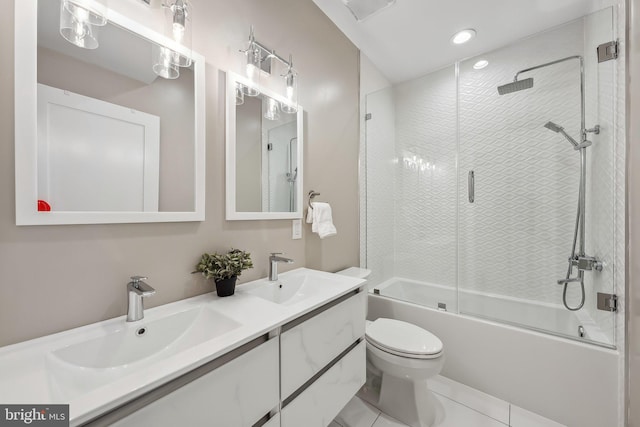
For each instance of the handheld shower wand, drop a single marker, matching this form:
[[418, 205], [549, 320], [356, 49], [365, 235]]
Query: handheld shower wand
[[559, 129]]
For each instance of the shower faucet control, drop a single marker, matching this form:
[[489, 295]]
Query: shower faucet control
[[583, 263], [587, 263], [595, 129]]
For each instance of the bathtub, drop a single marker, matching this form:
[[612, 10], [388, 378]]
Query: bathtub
[[548, 318], [567, 380]]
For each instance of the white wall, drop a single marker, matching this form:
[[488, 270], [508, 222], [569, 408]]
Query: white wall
[[633, 215]]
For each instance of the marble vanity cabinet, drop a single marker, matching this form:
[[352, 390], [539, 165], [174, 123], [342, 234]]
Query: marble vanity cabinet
[[322, 362], [301, 374], [237, 392]]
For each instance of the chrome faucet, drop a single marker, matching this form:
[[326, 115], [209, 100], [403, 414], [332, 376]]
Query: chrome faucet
[[274, 259], [136, 290]]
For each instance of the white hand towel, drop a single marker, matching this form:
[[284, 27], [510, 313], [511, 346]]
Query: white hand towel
[[322, 220], [310, 215]]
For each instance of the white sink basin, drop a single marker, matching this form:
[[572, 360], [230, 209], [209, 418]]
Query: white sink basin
[[141, 340], [296, 286], [284, 292]]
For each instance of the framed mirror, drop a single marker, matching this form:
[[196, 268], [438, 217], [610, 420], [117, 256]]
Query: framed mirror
[[264, 150], [101, 135]]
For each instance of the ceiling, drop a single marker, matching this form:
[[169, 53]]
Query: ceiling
[[412, 37]]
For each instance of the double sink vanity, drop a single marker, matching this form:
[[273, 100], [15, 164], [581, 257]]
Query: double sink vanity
[[287, 353]]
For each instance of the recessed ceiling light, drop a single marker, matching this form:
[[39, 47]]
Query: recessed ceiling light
[[480, 64], [463, 36]]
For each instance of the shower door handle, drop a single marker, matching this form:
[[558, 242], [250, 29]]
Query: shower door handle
[[471, 185]]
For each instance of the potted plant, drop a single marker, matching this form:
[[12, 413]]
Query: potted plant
[[224, 269]]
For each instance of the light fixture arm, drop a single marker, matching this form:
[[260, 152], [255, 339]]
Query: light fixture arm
[[290, 74], [266, 53]]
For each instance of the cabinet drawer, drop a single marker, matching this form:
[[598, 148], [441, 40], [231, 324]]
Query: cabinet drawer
[[310, 346], [237, 394], [322, 401]]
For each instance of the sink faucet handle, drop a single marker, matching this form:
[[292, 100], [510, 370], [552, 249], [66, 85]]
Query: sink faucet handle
[[277, 253], [136, 291], [139, 287]]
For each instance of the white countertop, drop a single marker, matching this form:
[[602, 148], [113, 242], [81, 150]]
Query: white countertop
[[27, 374]]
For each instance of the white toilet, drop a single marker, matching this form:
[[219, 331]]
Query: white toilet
[[401, 357]]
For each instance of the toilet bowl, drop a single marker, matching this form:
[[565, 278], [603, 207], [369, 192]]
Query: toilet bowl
[[401, 357]]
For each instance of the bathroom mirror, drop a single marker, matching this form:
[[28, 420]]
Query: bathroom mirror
[[263, 155], [99, 136]]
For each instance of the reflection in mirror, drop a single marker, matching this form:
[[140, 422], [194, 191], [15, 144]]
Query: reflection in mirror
[[116, 140], [266, 148], [263, 155]]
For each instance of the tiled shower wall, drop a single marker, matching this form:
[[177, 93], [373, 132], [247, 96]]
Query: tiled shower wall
[[515, 238], [378, 200], [425, 190]]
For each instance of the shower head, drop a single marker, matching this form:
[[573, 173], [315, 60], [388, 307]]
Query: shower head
[[559, 129], [554, 127], [516, 86]]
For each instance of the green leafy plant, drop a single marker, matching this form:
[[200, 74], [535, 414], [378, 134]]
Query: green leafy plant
[[222, 266]]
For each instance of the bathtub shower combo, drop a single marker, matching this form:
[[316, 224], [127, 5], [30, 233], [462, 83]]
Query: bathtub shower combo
[[470, 201]]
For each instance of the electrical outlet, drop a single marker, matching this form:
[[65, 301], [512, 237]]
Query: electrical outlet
[[296, 229]]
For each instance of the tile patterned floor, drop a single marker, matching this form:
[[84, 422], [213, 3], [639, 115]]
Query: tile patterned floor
[[459, 406]]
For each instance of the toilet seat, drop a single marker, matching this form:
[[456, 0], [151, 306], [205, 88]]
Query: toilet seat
[[403, 339]]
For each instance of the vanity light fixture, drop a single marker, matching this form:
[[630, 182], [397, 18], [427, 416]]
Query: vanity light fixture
[[271, 109], [164, 62], [178, 27], [480, 64], [239, 94], [291, 83], [259, 61], [80, 19], [167, 62], [463, 36], [254, 64]]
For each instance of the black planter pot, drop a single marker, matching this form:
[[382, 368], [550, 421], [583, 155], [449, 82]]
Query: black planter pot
[[226, 287]]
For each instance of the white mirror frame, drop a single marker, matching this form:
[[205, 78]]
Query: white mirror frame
[[230, 155], [26, 130]]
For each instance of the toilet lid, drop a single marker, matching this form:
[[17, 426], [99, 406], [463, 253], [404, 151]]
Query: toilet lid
[[402, 337]]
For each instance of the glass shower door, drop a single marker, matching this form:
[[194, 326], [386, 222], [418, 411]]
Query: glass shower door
[[411, 152], [519, 182]]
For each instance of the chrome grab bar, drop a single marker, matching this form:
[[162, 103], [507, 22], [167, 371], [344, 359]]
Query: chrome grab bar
[[471, 184]]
